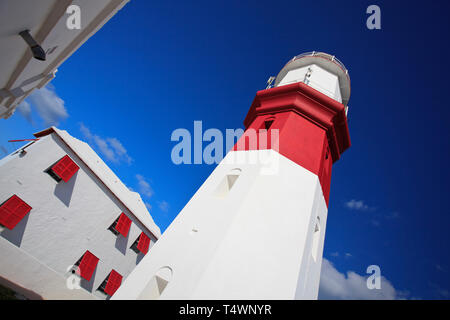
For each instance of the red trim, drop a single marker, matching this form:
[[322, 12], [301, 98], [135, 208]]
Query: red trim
[[65, 168], [87, 265], [20, 140], [123, 225], [44, 132], [12, 211], [113, 283], [143, 243], [309, 103], [309, 123]]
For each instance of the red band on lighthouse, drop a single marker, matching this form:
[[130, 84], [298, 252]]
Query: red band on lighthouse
[[313, 130]]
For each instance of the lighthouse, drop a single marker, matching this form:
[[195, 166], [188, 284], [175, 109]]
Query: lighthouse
[[256, 227]]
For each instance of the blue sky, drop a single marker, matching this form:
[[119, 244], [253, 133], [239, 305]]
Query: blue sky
[[156, 67]]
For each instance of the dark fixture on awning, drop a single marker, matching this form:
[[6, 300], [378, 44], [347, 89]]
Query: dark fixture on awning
[[36, 49]]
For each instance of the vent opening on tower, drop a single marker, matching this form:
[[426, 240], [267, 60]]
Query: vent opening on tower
[[228, 182], [316, 240], [157, 284], [268, 123]]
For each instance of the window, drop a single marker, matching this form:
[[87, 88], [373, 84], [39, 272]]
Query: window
[[144, 243], [112, 282], [87, 265], [268, 123], [112, 227], [12, 211], [141, 244], [121, 225], [134, 246], [157, 284], [228, 182], [102, 287], [53, 175], [64, 169], [316, 240]]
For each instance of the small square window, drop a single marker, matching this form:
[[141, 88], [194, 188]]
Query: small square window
[[87, 265], [121, 225], [142, 244], [112, 227], [112, 282], [64, 169], [78, 262], [53, 175], [12, 211], [102, 287], [134, 246], [268, 124]]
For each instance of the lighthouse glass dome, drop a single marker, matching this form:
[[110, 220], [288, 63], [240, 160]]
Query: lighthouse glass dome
[[321, 71]]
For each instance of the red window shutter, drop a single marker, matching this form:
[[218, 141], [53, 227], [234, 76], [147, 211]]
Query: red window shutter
[[143, 243], [65, 168], [87, 265], [113, 283], [123, 225], [12, 211]]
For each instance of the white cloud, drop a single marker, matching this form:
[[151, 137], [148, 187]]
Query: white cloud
[[392, 215], [86, 132], [25, 110], [49, 106], [358, 205], [375, 223], [3, 149], [163, 206], [111, 148], [144, 187], [442, 293], [105, 149], [378, 218], [119, 149], [440, 268], [146, 190], [334, 254], [352, 286]]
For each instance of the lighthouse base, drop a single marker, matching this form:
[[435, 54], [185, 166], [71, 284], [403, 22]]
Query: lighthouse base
[[247, 233]]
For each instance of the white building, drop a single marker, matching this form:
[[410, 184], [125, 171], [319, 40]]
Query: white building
[[255, 229], [46, 21], [61, 205]]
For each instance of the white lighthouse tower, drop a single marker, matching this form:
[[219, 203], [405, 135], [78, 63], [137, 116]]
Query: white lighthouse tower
[[255, 229]]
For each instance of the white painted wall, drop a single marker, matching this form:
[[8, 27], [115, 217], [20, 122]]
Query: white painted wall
[[66, 220], [320, 79], [253, 243]]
